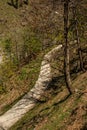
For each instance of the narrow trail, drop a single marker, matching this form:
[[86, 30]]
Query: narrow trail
[[30, 99]]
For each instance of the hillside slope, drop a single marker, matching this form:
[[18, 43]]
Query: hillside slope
[[15, 26], [60, 111], [42, 23]]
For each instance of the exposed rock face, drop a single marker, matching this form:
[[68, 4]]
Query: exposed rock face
[[30, 99]]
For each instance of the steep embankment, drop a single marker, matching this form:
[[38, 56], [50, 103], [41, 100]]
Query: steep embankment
[[60, 111], [30, 99], [13, 26], [16, 27]]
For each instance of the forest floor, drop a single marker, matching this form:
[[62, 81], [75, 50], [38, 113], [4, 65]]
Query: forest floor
[[58, 110], [14, 24]]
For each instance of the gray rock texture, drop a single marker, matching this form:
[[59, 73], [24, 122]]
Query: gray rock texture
[[30, 99]]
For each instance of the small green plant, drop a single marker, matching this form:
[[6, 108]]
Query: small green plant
[[31, 46], [23, 74]]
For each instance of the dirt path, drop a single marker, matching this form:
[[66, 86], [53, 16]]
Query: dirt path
[[30, 99]]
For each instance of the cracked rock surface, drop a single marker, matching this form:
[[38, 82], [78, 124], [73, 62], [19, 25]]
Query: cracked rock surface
[[30, 99]]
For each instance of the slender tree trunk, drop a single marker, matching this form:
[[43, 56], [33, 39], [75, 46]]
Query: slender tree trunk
[[79, 49], [17, 55], [21, 3], [78, 40], [12, 2], [16, 4], [26, 2], [66, 47]]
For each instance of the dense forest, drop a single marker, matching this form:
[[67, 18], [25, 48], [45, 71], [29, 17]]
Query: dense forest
[[43, 65]]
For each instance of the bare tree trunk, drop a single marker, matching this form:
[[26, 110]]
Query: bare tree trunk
[[12, 2], [16, 4], [21, 3], [78, 40], [17, 55], [79, 49], [26, 2], [66, 47]]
